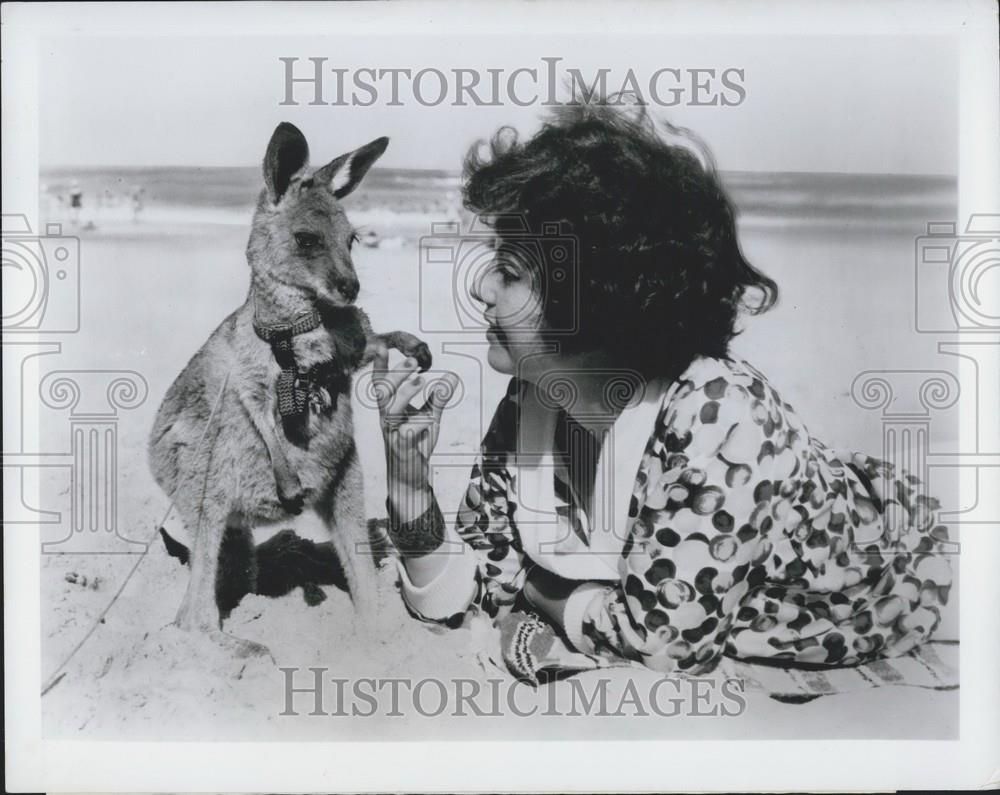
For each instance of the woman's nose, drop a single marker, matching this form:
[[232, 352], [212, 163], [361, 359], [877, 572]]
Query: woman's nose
[[480, 289]]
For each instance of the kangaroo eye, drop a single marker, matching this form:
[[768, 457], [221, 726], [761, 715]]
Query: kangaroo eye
[[306, 241]]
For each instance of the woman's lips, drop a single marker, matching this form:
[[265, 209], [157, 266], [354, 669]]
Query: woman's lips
[[494, 334]]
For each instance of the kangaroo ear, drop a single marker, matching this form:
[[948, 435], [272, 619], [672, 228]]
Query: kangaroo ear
[[346, 172], [287, 154]]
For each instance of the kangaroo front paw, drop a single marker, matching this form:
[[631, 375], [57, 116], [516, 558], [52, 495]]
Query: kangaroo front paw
[[405, 343], [422, 354]]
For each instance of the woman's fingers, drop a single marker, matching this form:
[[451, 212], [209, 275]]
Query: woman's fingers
[[441, 391], [412, 426], [408, 430], [404, 392], [387, 382]]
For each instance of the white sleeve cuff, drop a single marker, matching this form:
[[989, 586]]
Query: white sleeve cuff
[[451, 591], [573, 613]]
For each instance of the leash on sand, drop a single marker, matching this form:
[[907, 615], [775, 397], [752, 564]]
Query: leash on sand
[[57, 675]]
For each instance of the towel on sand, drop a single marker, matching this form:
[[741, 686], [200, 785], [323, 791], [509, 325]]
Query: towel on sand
[[933, 666]]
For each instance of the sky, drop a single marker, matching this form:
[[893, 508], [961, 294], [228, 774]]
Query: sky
[[824, 103]]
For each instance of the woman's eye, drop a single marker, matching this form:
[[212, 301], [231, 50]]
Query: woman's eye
[[508, 272], [306, 241]]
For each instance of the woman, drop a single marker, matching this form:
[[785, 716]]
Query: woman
[[640, 495]]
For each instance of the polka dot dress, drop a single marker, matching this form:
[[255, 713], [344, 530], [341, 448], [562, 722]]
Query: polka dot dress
[[745, 537]]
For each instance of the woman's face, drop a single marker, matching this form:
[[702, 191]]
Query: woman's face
[[513, 310]]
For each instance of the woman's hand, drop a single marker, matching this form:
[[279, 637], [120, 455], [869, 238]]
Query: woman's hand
[[410, 434]]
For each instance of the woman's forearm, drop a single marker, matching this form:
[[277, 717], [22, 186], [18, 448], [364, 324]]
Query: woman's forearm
[[406, 503], [436, 579], [417, 529]]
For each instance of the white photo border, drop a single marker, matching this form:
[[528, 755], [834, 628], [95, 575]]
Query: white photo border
[[970, 762]]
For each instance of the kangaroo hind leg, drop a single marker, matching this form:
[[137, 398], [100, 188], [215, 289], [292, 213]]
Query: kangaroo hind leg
[[343, 510], [199, 610]]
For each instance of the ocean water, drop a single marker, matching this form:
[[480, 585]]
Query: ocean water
[[407, 199]]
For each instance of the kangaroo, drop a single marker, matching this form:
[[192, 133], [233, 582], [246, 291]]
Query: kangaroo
[[275, 379]]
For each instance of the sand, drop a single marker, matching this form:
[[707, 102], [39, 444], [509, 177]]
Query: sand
[[151, 293]]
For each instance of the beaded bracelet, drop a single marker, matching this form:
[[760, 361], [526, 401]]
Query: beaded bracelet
[[419, 536]]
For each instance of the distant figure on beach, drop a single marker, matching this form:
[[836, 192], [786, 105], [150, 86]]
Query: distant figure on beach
[[105, 199], [75, 202], [136, 196]]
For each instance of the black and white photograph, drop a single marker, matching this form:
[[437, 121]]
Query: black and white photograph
[[506, 396]]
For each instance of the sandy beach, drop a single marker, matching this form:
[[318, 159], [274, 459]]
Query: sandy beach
[[152, 291]]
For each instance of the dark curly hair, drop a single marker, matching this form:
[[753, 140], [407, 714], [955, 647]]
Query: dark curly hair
[[661, 274]]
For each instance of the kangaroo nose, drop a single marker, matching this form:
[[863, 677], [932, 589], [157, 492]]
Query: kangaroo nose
[[349, 287]]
